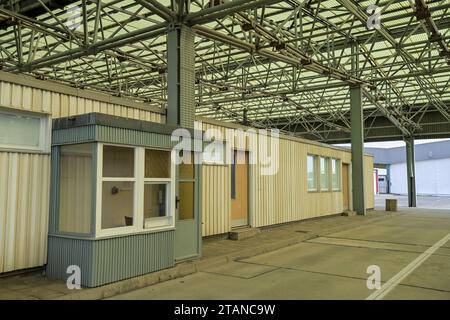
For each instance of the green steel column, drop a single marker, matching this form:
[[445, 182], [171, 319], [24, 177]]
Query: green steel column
[[411, 171], [180, 77], [357, 138]]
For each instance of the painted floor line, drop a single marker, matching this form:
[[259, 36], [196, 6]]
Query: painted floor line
[[395, 280]]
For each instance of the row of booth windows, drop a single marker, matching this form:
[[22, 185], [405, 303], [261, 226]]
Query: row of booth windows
[[135, 189]]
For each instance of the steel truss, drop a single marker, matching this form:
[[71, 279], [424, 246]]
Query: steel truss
[[270, 63]]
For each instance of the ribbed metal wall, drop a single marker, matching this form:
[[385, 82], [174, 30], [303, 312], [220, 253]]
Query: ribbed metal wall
[[125, 257], [24, 199], [368, 182], [283, 197], [25, 178], [278, 198], [113, 259], [62, 105], [187, 77], [216, 199], [60, 258], [111, 135]]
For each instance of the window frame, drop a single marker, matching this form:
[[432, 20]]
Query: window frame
[[170, 183], [315, 173], [45, 131], [139, 181]]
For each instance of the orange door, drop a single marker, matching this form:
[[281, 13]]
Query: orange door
[[239, 189], [345, 191]]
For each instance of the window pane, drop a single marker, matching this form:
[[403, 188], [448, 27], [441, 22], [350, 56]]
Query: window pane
[[157, 164], [118, 161], [186, 170], [19, 130], [155, 201], [335, 172], [186, 204], [75, 188], [311, 164], [324, 185], [117, 204]]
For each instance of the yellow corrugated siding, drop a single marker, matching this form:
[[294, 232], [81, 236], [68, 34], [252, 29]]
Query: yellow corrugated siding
[[25, 178], [283, 197], [62, 105], [278, 198], [368, 182], [24, 201], [216, 199]]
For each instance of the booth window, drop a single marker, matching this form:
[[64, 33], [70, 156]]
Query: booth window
[[312, 172], [324, 172], [75, 189], [336, 174], [118, 187], [24, 132], [186, 188], [157, 188]]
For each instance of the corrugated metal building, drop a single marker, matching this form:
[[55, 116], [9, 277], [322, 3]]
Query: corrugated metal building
[[272, 199]]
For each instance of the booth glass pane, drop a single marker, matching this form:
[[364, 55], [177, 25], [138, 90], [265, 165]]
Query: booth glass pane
[[155, 205], [155, 200], [186, 168], [117, 204], [75, 188], [187, 200], [118, 162], [157, 164]]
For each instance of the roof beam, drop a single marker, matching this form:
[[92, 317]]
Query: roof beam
[[158, 9], [226, 8], [94, 48]]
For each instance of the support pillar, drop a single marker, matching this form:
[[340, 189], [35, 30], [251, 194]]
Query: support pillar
[[411, 171], [357, 139], [180, 77]]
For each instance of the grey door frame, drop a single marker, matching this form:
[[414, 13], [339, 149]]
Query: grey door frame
[[197, 211]]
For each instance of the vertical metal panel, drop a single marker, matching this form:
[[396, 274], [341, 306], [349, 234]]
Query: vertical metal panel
[[216, 199], [24, 199], [64, 252], [125, 257], [187, 77], [112, 259]]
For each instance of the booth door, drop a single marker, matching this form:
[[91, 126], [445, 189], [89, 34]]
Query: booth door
[[187, 233]]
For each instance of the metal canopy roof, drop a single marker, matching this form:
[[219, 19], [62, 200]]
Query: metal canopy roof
[[284, 64]]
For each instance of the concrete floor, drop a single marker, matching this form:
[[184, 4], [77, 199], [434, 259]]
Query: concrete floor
[[428, 202], [332, 266]]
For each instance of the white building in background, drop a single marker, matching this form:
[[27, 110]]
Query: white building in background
[[432, 168]]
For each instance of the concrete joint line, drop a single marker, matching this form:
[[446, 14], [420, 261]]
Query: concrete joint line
[[399, 277]]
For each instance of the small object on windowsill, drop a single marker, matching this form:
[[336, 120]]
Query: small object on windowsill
[[114, 190], [128, 221]]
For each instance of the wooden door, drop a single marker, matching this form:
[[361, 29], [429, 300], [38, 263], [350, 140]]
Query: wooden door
[[239, 189], [345, 188]]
